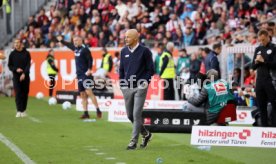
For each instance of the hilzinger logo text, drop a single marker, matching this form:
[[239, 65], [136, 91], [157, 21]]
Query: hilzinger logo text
[[214, 133]]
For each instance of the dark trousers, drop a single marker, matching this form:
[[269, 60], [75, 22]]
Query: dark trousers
[[180, 89], [21, 92], [265, 93], [169, 89], [52, 84]]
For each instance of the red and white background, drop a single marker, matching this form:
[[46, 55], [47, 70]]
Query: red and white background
[[234, 136]]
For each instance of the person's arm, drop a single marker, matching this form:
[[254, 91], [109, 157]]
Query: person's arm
[[164, 65], [10, 63], [254, 64], [89, 58], [27, 68], [199, 100], [69, 45], [149, 65], [271, 63], [110, 63], [121, 67], [52, 64], [214, 63]]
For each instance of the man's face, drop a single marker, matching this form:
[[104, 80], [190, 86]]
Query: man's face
[[218, 50], [77, 41], [130, 39], [263, 39], [17, 44]]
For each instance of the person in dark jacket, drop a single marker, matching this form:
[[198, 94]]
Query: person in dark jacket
[[52, 71], [84, 62], [264, 61], [136, 70], [211, 60], [194, 67], [19, 63]]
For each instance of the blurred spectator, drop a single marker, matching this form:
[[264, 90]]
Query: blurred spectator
[[194, 66], [238, 60], [107, 62], [167, 71], [182, 70], [211, 61], [183, 22], [157, 58], [42, 17], [237, 76], [116, 62]]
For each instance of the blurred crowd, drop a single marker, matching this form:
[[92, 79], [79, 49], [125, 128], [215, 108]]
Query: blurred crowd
[[103, 23]]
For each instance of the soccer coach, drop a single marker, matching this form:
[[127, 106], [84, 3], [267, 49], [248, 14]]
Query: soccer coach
[[84, 62], [19, 63], [264, 62], [136, 69]]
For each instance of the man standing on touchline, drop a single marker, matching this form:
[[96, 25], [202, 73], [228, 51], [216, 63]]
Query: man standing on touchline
[[84, 63], [136, 69]]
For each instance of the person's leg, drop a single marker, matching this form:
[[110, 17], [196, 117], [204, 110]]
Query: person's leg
[[171, 89], [179, 88], [271, 95], [129, 101], [191, 108], [26, 86], [166, 89], [93, 98], [211, 118], [129, 104], [52, 84], [84, 97], [139, 100], [262, 102], [17, 89]]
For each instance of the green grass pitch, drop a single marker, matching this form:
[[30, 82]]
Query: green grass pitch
[[52, 135]]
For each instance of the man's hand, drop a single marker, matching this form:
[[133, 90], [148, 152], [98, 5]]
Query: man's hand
[[88, 73], [59, 38], [259, 59], [19, 70], [22, 77]]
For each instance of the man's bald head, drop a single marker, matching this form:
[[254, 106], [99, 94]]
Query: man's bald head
[[131, 37]]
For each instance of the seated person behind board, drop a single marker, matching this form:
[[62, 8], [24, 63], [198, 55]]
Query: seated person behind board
[[216, 93]]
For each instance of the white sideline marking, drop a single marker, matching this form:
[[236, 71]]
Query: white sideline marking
[[34, 119], [99, 153], [120, 163], [93, 149], [16, 150], [110, 158]]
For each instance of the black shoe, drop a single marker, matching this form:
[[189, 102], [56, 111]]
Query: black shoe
[[145, 140], [84, 116], [132, 145], [99, 115]]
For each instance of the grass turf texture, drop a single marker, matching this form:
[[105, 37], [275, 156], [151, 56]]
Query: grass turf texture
[[61, 137]]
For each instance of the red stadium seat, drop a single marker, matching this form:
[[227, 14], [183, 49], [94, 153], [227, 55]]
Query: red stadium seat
[[227, 114]]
